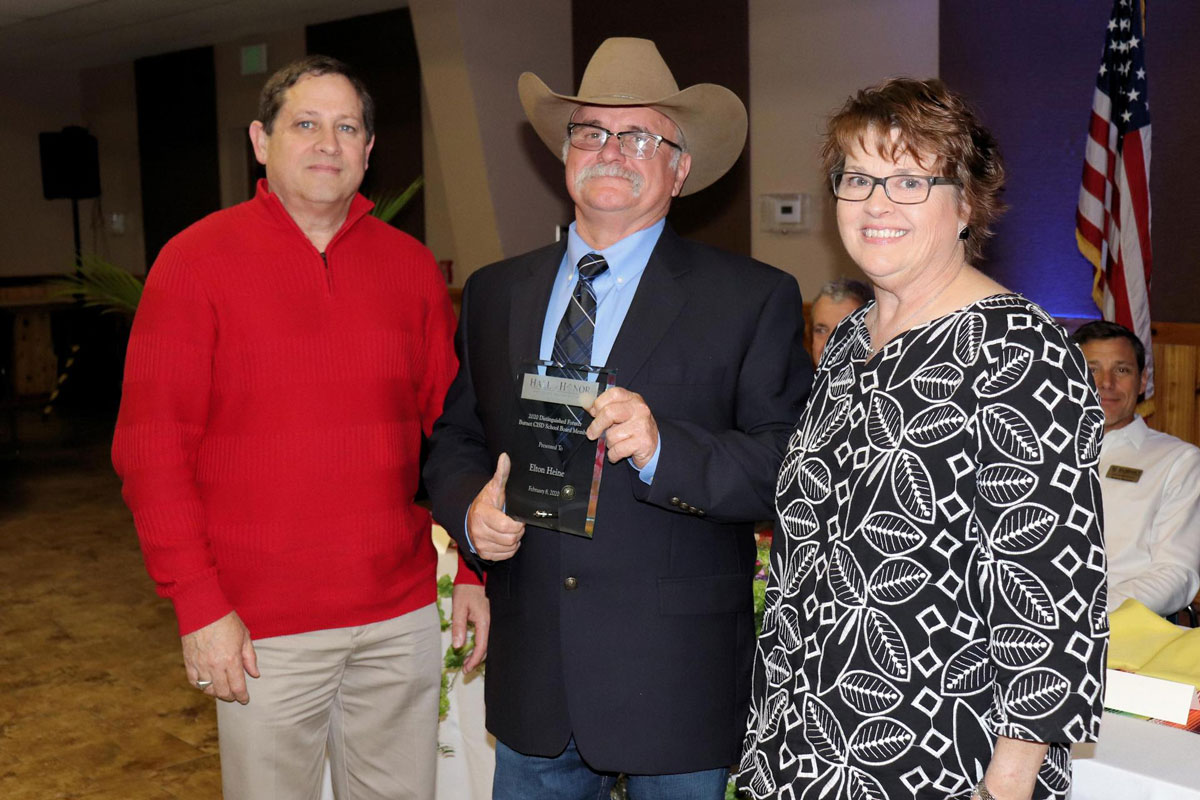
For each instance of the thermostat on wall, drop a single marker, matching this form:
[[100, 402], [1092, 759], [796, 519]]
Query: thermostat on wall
[[785, 213]]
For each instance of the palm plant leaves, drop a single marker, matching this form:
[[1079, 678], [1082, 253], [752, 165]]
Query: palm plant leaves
[[389, 204], [101, 284]]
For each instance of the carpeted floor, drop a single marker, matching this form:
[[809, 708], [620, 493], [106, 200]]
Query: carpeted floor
[[93, 699]]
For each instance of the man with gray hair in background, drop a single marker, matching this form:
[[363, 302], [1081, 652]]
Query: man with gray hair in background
[[836, 301]]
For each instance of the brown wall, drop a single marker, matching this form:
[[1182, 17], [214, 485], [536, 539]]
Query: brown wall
[[237, 104], [460, 205], [381, 49], [1176, 380], [35, 233], [497, 191], [1172, 30], [110, 113], [799, 73], [502, 39]]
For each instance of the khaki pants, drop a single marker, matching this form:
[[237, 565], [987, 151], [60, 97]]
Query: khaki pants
[[367, 695]]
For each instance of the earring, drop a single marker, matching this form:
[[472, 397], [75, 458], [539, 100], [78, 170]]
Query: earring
[[963, 233]]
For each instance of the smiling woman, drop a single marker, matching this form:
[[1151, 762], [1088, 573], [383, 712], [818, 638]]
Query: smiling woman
[[917, 180], [914, 638], [906, 234]]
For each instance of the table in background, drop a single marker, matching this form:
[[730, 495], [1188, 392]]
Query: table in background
[[1137, 760]]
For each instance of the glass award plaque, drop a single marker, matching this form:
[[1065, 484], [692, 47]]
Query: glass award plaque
[[555, 477]]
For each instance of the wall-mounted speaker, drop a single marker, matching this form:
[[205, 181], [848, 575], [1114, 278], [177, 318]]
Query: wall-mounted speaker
[[70, 164]]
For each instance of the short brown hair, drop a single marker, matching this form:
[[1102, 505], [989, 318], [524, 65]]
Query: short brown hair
[[1101, 329], [270, 100], [929, 120]]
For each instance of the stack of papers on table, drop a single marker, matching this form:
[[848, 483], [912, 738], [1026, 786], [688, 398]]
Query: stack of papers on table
[[1159, 667]]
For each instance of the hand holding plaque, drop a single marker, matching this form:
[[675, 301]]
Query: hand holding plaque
[[627, 425], [495, 536], [556, 469]]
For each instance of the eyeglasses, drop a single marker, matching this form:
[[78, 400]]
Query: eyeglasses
[[902, 189], [634, 144]]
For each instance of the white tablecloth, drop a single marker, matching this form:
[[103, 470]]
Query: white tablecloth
[[1137, 760], [469, 751]]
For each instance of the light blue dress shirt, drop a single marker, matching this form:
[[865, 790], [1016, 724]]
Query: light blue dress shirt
[[614, 288]]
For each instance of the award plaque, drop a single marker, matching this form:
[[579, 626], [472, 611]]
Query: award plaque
[[555, 477]]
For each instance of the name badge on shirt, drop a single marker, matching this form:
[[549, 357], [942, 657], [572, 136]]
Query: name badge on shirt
[[1119, 473]]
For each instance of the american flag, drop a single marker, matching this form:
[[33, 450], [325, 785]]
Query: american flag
[[1112, 223]]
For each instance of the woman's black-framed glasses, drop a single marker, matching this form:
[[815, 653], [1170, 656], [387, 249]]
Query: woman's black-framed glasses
[[903, 189], [634, 144]]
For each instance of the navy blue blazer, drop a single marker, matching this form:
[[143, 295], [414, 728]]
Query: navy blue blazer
[[647, 659]]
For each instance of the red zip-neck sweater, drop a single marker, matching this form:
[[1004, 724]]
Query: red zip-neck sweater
[[271, 420]]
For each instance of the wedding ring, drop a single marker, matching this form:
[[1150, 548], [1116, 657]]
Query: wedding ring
[[203, 684]]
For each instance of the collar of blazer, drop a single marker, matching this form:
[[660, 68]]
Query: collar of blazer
[[659, 299]]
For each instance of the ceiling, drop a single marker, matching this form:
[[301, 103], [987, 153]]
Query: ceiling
[[72, 34]]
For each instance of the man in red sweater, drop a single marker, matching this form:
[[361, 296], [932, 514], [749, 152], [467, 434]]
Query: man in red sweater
[[286, 357]]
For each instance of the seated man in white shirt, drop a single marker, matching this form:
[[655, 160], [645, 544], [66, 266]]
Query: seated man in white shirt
[[1150, 480]]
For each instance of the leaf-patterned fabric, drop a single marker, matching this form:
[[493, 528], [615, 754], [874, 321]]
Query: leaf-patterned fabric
[[938, 572]]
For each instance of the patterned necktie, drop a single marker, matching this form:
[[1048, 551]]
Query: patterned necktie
[[573, 341]]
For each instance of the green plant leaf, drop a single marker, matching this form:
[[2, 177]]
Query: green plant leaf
[[100, 284], [444, 697], [389, 204], [457, 656]]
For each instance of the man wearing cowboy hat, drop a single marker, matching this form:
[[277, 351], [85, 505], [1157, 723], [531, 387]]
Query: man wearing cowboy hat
[[629, 651]]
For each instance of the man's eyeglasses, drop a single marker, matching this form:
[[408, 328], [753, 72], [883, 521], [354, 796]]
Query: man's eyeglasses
[[634, 144], [903, 189]]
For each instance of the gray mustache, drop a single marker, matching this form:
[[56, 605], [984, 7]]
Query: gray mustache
[[609, 171]]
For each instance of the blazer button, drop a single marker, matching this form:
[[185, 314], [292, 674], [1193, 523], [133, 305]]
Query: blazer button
[[685, 506], [675, 501], [699, 512], [570, 583]]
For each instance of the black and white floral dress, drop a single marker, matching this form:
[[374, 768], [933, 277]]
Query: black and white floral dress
[[938, 572]]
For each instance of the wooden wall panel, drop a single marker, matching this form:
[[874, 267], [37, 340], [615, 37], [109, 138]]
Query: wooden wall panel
[[1176, 410], [1176, 333], [1176, 380], [35, 367]]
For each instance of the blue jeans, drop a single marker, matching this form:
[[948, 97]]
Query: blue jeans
[[568, 777]]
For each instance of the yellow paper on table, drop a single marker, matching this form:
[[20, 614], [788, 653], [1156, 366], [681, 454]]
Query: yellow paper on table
[[1137, 635], [1178, 661]]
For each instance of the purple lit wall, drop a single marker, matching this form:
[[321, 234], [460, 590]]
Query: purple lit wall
[[1029, 67]]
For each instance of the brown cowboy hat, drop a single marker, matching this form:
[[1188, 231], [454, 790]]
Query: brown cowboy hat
[[630, 72]]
